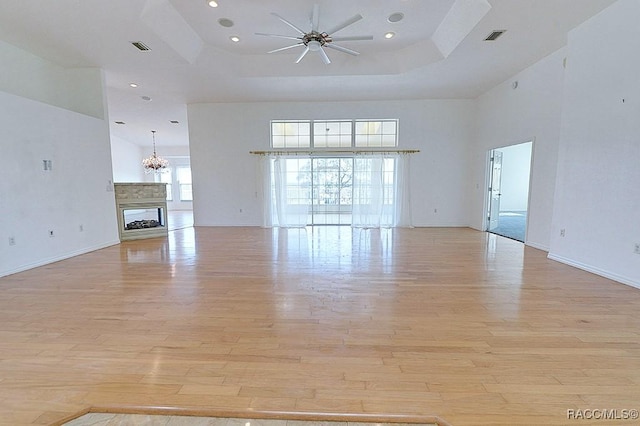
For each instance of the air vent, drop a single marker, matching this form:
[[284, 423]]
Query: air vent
[[494, 35], [119, 122], [174, 121], [140, 45]]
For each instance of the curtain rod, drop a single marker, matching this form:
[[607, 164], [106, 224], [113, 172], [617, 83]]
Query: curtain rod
[[337, 151]]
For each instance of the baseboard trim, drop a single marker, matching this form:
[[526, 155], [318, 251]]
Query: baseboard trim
[[50, 260], [537, 246], [601, 272]]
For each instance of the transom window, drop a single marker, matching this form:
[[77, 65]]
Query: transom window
[[334, 133]]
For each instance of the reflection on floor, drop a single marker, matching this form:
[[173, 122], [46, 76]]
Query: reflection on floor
[[97, 419], [179, 219], [511, 224]]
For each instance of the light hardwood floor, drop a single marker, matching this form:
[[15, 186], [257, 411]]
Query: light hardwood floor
[[471, 327]]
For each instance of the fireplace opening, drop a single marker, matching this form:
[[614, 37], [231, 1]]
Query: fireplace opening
[[136, 219]]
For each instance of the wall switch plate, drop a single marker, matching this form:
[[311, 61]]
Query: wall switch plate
[[636, 248], [562, 232], [12, 241]]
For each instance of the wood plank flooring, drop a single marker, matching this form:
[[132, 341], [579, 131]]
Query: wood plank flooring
[[471, 327]]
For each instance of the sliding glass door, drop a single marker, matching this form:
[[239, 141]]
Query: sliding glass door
[[362, 190], [332, 180]]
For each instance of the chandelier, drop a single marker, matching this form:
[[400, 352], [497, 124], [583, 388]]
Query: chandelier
[[154, 164]]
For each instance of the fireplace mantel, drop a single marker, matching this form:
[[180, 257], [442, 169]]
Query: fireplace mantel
[[142, 210]]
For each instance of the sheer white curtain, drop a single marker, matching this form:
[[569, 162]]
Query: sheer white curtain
[[286, 189], [381, 192]]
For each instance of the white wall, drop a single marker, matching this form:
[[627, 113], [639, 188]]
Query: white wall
[[29, 76], [127, 161], [598, 189], [516, 168], [77, 191], [507, 116], [225, 174]]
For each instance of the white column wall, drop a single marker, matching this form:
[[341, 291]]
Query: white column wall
[[597, 201], [52, 113], [76, 192]]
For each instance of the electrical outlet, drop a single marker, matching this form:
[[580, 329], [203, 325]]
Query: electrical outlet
[[562, 232], [636, 248], [51, 234], [12, 241]]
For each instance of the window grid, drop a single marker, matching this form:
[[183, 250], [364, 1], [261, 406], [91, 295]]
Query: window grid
[[184, 180], [334, 133]]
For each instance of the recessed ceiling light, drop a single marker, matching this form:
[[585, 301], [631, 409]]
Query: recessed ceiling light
[[225, 22], [213, 3], [390, 34], [396, 17], [234, 39], [133, 85]]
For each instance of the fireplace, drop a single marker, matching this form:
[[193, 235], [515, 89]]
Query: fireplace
[[142, 210]]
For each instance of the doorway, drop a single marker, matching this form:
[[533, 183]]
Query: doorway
[[508, 195], [179, 192]]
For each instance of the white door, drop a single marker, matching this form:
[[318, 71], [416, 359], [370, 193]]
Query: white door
[[494, 189]]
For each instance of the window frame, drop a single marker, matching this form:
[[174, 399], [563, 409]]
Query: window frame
[[312, 134]]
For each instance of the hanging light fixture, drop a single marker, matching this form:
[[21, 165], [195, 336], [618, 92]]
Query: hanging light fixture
[[154, 164]]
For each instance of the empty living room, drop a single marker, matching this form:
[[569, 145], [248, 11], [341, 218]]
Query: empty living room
[[278, 213]]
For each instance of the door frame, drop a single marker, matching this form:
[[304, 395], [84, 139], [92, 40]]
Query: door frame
[[487, 182]]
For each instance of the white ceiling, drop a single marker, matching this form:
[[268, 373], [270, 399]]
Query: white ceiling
[[438, 51]]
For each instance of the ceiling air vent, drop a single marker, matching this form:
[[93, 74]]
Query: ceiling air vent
[[140, 45], [119, 122], [494, 35]]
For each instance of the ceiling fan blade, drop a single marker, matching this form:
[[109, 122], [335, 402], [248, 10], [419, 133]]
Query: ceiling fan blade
[[342, 49], [279, 36], [352, 38], [285, 48], [346, 23], [315, 17], [306, 50], [324, 56], [288, 23]]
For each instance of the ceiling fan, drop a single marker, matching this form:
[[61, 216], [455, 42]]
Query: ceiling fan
[[316, 40]]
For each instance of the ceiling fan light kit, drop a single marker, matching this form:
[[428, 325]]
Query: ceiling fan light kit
[[315, 40]]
